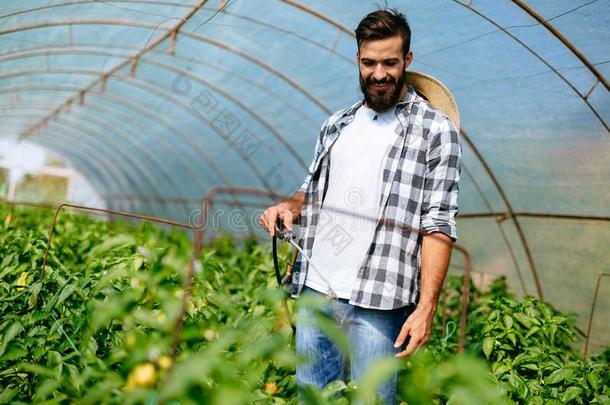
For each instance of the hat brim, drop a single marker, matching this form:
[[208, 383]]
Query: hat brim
[[437, 94]]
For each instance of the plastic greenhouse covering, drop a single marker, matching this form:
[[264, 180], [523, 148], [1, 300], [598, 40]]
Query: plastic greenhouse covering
[[156, 102]]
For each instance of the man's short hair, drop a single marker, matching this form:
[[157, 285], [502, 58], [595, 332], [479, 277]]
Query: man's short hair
[[384, 23]]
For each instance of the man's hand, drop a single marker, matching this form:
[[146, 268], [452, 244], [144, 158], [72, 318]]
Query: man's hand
[[288, 211], [418, 327]]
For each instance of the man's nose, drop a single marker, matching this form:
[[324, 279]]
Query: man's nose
[[379, 74]]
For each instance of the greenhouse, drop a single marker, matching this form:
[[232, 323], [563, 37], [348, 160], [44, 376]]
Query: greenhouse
[[142, 140]]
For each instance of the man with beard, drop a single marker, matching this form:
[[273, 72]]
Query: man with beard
[[378, 203]]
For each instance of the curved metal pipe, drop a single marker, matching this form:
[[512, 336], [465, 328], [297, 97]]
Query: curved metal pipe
[[540, 58], [134, 58], [153, 89], [141, 111], [71, 49], [557, 34], [105, 179], [68, 130], [179, 71], [125, 153], [509, 207]]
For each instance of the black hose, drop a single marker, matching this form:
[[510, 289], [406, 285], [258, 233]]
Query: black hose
[[278, 276], [276, 265]]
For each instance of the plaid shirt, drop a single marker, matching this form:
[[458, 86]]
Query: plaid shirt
[[419, 190]]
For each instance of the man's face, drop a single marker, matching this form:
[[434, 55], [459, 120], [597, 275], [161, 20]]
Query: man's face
[[382, 71]]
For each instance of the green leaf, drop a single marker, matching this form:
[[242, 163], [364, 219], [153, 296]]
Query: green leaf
[[10, 332], [594, 380], [7, 260], [13, 352], [7, 394], [34, 292], [66, 292], [115, 243], [508, 321], [333, 388], [530, 366], [533, 330], [570, 394], [523, 319], [558, 376], [518, 384], [488, 345], [500, 370]]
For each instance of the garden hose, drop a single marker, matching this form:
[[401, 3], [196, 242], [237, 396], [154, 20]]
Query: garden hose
[[284, 234]]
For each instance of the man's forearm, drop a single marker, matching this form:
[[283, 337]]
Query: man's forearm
[[436, 253]]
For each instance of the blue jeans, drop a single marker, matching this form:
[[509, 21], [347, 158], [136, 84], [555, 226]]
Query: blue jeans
[[371, 334]]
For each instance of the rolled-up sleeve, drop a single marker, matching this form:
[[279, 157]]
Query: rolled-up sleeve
[[441, 189]]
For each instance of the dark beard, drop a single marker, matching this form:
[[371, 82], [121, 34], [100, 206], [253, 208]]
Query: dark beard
[[382, 101]]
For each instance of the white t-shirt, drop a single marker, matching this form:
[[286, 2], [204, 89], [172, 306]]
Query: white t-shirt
[[354, 185]]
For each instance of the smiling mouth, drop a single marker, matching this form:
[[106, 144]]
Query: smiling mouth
[[380, 86]]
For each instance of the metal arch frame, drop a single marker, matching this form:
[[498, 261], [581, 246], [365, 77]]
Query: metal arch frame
[[108, 177], [161, 39], [592, 312], [509, 208], [116, 146], [48, 6], [93, 151], [126, 138], [184, 72], [573, 48], [541, 59], [153, 89], [139, 169], [73, 49], [131, 122], [76, 122], [125, 153], [500, 228], [224, 11], [189, 14], [140, 127], [175, 101], [169, 31], [236, 101], [143, 83], [319, 15], [115, 98], [143, 112], [92, 175]]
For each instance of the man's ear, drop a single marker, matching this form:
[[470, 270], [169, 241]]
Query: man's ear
[[408, 59]]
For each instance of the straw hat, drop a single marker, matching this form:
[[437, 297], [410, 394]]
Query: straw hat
[[437, 94]]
